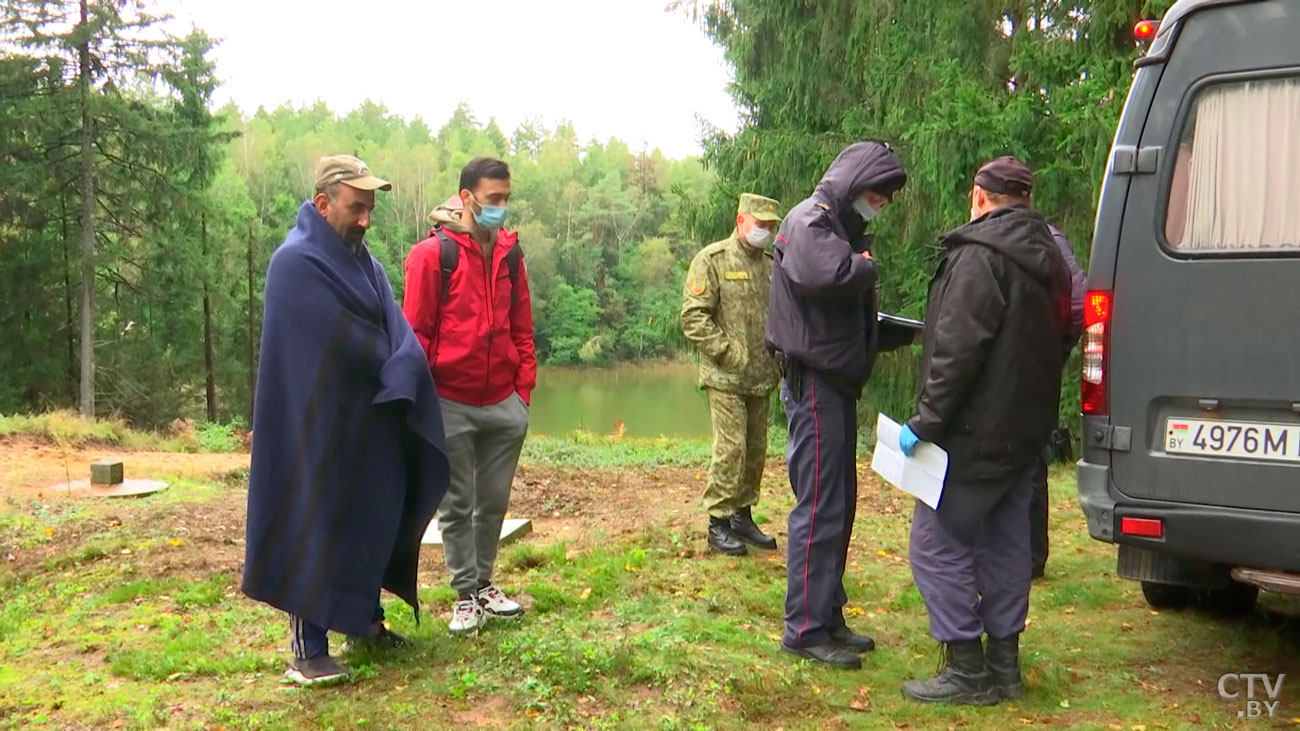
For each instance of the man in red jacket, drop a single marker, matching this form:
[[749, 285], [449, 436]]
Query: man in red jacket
[[467, 300]]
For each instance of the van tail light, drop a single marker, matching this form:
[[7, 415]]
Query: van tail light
[[1096, 359]]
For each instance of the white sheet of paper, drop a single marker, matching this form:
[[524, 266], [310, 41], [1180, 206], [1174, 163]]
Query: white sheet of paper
[[920, 475]]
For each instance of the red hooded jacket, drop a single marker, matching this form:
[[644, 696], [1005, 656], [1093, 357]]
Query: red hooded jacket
[[480, 340]]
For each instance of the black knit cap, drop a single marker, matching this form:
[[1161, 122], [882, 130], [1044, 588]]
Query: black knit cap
[[1005, 175]]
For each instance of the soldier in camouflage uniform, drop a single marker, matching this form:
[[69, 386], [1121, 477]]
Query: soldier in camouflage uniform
[[724, 311]]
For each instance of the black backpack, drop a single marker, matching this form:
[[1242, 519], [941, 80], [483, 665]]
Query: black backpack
[[449, 259]]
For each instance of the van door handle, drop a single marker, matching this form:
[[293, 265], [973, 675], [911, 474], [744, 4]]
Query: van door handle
[[1130, 160]]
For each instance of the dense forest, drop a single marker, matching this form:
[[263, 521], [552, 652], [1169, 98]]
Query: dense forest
[[136, 219], [186, 204], [949, 85]]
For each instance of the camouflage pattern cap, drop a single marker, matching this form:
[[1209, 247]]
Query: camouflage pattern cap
[[348, 170], [764, 209]]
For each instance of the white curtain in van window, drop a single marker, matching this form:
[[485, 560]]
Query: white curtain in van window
[[1244, 172]]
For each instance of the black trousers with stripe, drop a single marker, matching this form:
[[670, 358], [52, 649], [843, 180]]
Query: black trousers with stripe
[[310, 641], [822, 460]]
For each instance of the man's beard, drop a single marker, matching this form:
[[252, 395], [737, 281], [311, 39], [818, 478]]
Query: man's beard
[[356, 237]]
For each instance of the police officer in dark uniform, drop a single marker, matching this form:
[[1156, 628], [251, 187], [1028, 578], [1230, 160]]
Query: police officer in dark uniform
[[822, 326], [997, 328]]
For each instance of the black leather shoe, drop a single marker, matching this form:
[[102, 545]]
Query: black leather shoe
[[962, 680], [1003, 660], [723, 540], [744, 528], [383, 639], [852, 641], [831, 654]]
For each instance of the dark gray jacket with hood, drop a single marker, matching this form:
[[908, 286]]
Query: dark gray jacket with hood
[[997, 331], [822, 310]]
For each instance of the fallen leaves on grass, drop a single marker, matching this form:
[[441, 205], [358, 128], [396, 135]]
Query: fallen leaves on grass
[[862, 701]]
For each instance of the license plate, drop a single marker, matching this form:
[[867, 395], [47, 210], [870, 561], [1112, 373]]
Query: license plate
[[1233, 439]]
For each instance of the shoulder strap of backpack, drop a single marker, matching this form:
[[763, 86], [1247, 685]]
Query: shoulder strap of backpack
[[513, 257], [448, 260]]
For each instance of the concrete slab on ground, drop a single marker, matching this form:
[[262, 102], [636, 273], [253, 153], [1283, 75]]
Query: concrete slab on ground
[[126, 488], [511, 530]]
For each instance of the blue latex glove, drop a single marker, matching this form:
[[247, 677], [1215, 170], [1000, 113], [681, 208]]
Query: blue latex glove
[[907, 440]]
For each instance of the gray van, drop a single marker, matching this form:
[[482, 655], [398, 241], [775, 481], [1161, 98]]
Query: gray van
[[1191, 353]]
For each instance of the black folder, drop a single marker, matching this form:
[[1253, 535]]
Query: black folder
[[896, 332]]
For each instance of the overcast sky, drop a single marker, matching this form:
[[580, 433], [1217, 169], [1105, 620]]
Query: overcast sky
[[623, 68]]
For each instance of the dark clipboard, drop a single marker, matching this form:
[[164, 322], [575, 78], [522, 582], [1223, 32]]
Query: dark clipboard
[[896, 332]]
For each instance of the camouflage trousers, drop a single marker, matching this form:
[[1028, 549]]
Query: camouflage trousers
[[739, 451]]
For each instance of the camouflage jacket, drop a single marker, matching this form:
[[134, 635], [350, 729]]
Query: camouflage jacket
[[724, 311]]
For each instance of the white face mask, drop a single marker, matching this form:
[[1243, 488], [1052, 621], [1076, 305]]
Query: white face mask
[[865, 209], [759, 237]]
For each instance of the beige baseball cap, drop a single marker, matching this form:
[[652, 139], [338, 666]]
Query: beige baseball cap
[[348, 170]]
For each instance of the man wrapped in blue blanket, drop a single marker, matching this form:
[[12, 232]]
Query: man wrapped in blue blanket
[[348, 463]]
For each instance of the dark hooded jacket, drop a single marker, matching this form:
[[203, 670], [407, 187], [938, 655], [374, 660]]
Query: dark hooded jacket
[[997, 330], [822, 310]]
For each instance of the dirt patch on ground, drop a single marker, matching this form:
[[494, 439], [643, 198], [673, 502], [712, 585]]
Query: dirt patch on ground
[[29, 465], [487, 712], [567, 504], [581, 507], [194, 540]]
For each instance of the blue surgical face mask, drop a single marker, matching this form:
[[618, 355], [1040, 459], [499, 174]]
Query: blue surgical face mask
[[489, 217], [864, 209]]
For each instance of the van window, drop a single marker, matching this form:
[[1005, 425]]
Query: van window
[[1236, 181]]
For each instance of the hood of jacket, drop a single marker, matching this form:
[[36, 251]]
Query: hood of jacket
[[860, 166], [447, 215], [1020, 234]]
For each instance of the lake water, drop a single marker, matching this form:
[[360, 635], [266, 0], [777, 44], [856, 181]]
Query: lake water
[[650, 400]]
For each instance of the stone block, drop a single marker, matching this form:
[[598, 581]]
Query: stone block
[[107, 472]]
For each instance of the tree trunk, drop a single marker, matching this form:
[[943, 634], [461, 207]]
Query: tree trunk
[[87, 231], [252, 363], [207, 327], [69, 323]]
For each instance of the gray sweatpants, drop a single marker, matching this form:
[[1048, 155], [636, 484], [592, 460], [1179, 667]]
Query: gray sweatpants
[[971, 559], [483, 445]]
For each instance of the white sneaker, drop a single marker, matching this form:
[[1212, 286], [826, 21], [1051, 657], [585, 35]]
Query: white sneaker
[[497, 604], [466, 617]]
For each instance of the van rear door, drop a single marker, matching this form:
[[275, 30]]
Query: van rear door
[[1204, 351]]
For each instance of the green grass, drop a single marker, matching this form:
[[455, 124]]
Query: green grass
[[585, 450], [67, 429], [644, 633]]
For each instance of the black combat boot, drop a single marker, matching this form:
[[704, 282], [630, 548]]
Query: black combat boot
[[744, 528], [1003, 660], [723, 540], [963, 680]]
